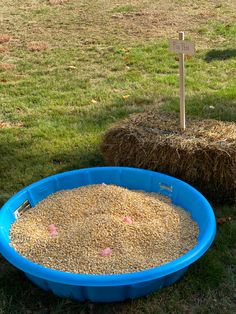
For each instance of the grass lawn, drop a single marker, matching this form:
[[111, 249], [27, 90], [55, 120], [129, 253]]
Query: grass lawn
[[70, 70]]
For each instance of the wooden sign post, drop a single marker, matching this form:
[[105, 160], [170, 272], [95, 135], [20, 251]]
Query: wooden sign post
[[182, 47]]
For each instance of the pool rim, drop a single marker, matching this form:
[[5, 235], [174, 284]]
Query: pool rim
[[111, 279]]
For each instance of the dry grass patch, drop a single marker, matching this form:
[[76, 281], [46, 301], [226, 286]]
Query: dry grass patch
[[204, 155], [165, 20], [7, 124], [107, 20], [37, 46]]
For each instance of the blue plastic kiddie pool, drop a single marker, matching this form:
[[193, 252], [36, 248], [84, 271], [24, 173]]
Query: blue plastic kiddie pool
[[117, 287]]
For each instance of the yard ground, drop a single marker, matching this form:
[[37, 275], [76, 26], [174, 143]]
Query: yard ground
[[68, 70]]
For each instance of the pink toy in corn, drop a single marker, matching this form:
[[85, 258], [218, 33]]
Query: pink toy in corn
[[106, 252], [52, 229], [127, 220]]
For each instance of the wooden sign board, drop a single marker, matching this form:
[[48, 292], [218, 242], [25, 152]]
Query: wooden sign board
[[182, 46]]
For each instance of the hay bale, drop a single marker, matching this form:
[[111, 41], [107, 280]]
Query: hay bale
[[204, 155]]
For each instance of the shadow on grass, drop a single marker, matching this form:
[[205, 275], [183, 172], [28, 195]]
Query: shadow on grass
[[220, 54], [24, 170], [27, 155]]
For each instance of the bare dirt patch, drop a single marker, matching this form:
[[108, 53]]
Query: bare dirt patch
[[7, 66], [4, 38], [3, 49], [58, 1], [37, 46]]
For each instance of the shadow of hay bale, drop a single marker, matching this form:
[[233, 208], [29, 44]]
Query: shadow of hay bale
[[204, 155]]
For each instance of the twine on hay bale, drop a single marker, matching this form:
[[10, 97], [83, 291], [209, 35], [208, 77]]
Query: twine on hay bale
[[204, 155]]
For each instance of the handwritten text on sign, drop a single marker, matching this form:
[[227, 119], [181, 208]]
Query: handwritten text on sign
[[182, 46]]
